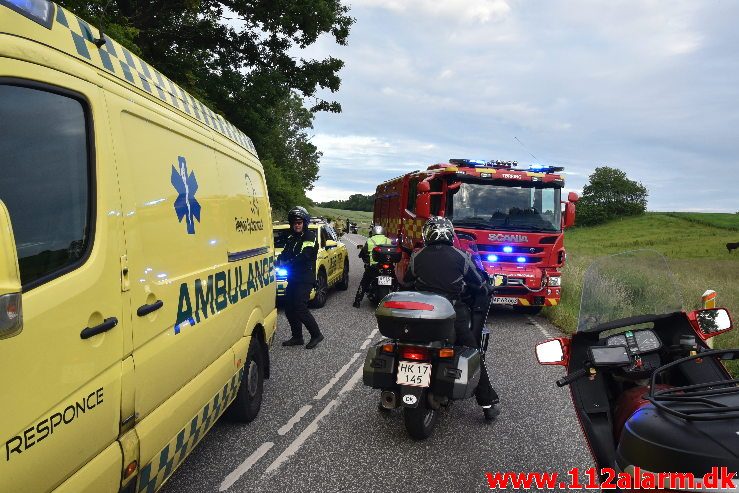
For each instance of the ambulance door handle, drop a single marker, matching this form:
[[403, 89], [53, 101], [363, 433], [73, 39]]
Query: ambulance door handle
[[108, 324], [147, 309]]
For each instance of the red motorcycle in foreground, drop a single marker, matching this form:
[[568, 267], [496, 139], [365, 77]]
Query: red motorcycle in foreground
[[650, 394]]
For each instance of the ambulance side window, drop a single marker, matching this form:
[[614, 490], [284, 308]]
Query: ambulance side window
[[46, 180]]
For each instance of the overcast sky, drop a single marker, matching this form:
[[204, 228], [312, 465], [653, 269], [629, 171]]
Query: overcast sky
[[649, 87]]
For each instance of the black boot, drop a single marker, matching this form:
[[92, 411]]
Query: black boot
[[358, 298], [314, 341], [294, 341], [490, 412]]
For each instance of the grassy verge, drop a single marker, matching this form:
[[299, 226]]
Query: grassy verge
[[695, 251]]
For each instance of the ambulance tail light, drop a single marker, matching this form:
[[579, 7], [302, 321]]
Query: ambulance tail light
[[11, 315]]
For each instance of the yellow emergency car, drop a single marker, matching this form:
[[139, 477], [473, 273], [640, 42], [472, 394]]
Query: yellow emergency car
[[137, 288], [332, 263]]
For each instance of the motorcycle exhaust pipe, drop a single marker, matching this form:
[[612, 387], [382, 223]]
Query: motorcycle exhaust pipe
[[389, 399]]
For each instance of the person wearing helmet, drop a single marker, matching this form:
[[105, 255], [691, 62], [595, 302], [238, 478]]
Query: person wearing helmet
[[377, 237], [442, 269], [299, 258]]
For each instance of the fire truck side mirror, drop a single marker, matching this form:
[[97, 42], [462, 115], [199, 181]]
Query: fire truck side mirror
[[573, 197], [423, 205], [569, 217]]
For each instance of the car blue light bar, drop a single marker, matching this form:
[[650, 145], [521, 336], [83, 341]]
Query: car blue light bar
[[39, 11], [492, 258], [521, 260], [507, 249]]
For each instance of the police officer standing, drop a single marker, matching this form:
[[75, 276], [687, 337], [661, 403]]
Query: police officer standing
[[299, 258], [377, 237], [441, 268]]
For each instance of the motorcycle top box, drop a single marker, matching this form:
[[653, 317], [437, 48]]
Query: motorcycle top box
[[416, 317], [386, 254]]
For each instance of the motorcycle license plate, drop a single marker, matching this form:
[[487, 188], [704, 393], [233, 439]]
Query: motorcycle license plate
[[414, 374], [384, 281], [499, 300]]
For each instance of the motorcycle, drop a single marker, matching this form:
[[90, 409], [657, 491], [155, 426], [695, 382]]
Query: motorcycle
[[648, 391], [418, 367], [385, 280]]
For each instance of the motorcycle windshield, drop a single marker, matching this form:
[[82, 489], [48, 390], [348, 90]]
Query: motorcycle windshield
[[467, 243], [628, 284]]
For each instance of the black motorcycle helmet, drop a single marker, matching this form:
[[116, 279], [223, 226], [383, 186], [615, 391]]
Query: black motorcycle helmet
[[438, 230], [299, 212]]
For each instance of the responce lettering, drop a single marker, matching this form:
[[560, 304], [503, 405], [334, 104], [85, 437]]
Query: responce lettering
[[46, 427]]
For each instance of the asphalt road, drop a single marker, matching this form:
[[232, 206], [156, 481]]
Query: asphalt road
[[319, 428]]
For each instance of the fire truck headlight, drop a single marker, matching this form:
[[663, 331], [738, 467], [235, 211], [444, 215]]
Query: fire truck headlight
[[555, 281]]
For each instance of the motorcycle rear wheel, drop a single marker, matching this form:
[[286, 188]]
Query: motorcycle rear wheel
[[420, 421]]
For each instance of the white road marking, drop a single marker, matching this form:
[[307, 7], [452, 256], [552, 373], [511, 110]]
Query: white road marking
[[335, 378], [368, 341], [245, 466], [294, 420], [298, 442], [373, 333], [352, 381], [538, 326]]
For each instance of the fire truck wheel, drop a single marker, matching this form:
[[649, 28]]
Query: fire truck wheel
[[528, 310]]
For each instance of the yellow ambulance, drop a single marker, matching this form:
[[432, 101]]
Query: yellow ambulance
[[137, 287]]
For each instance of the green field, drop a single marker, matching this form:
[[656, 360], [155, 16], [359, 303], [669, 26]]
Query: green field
[[695, 249], [725, 221], [362, 218]]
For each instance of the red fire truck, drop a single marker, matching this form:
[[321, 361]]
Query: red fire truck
[[515, 216]]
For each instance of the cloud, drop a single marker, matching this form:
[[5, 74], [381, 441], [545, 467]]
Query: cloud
[[633, 85], [476, 11]]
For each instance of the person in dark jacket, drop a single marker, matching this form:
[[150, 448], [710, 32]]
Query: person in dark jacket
[[441, 268], [299, 258]]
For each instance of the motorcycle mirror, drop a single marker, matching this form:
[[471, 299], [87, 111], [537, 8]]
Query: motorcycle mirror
[[553, 351], [710, 322]]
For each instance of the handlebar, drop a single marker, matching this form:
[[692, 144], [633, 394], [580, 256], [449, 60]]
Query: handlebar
[[566, 380]]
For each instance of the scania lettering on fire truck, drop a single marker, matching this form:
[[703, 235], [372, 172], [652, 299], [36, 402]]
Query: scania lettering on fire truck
[[516, 217]]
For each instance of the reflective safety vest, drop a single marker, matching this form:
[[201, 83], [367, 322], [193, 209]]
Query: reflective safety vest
[[374, 241]]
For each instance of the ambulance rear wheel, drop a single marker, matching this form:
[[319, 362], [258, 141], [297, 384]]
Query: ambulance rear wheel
[[343, 284], [249, 398]]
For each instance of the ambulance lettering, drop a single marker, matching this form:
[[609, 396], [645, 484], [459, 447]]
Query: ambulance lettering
[[215, 293], [37, 433]]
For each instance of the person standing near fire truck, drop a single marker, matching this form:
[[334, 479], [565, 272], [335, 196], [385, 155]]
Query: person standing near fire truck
[[299, 258], [377, 238], [441, 268]]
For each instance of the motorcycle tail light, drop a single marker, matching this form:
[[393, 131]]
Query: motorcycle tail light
[[414, 353], [408, 305], [385, 266], [446, 353], [388, 348]]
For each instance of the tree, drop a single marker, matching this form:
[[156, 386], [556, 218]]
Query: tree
[[238, 57], [610, 195], [355, 202]]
